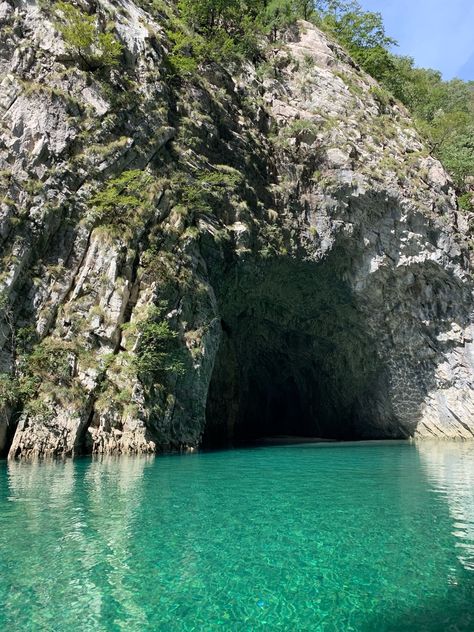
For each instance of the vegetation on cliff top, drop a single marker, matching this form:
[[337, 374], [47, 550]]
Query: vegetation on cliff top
[[229, 31], [443, 110]]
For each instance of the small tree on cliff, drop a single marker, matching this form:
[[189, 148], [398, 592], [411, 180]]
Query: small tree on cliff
[[82, 37]]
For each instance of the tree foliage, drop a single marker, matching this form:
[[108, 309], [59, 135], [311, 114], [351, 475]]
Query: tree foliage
[[229, 31], [92, 47], [443, 110], [361, 32]]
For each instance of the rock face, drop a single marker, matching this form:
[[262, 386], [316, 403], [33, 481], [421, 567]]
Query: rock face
[[186, 259]]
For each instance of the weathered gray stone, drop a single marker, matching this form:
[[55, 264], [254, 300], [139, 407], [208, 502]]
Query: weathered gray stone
[[334, 276]]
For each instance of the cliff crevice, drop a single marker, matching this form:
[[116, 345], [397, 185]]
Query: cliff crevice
[[261, 249]]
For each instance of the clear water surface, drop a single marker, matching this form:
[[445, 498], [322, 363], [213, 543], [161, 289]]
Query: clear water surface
[[311, 537]]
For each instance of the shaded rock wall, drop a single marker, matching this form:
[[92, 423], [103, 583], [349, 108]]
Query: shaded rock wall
[[285, 223]]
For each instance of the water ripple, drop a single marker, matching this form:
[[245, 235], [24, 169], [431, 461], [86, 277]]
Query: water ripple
[[336, 538]]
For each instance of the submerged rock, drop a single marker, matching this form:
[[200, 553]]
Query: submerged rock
[[267, 250]]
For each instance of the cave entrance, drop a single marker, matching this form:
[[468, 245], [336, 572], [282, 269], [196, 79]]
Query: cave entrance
[[295, 358]]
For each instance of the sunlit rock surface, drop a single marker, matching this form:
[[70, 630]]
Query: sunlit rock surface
[[290, 226]]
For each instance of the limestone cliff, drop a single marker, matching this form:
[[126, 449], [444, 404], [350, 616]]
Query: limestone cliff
[[243, 251]]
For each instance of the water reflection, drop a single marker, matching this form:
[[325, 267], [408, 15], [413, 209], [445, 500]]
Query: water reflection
[[343, 537], [73, 526], [116, 484], [449, 467]]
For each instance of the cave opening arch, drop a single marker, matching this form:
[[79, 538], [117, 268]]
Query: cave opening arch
[[295, 356]]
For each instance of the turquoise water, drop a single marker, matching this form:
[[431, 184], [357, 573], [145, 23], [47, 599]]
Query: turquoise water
[[329, 537]]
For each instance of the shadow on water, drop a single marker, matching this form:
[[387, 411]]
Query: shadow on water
[[459, 619]]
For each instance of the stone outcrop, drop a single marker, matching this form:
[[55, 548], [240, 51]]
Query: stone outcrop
[[255, 250]]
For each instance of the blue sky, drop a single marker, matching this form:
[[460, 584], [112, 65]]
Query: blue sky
[[437, 33]]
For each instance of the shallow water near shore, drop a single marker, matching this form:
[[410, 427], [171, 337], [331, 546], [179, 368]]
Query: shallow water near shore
[[333, 537]]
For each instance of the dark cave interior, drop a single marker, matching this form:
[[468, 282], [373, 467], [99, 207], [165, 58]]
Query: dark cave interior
[[294, 358]]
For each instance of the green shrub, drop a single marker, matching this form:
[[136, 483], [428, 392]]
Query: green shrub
[[187, 51], [50, 361], [465, 201], [8, 389], [299, 126], [207, 191], [300, 130], [158, 350], [92, 48], [123, 200], [382, 97]]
